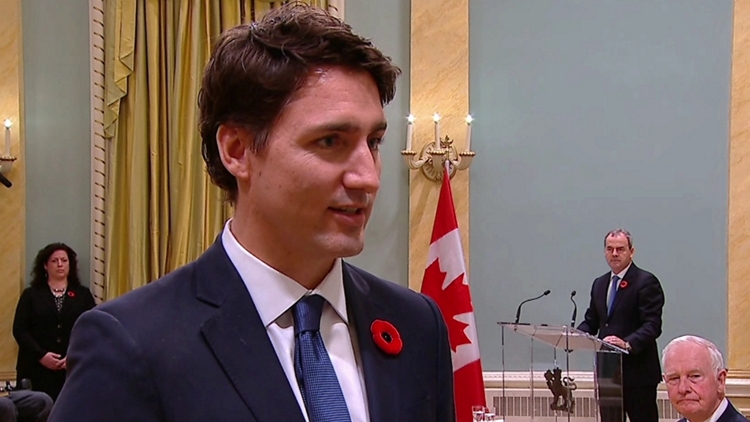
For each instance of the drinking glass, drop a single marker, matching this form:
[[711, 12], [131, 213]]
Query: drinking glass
[[478, 413]]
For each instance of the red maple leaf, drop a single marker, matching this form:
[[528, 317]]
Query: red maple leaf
[[454, 300]]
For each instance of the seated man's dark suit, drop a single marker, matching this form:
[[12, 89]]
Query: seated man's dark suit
[[636, 318], [730, 415], [191, 347]]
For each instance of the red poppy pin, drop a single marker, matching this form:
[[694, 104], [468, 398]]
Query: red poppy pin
[[386, 336], [71, 293], [623, 284]]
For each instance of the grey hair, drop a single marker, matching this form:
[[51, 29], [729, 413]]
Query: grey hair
[[617, 232], [717, 362]]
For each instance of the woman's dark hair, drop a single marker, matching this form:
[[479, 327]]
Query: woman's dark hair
[[39, 274], [255, 69]]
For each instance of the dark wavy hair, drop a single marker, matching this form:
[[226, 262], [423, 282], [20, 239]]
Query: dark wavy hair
[[39, 274], [255, 69]]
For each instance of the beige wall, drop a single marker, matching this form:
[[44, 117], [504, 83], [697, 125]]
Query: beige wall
[[439, 84], [12, 203]]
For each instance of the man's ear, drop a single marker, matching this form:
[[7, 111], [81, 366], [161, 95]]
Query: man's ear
[[234, 148], [722, 378]]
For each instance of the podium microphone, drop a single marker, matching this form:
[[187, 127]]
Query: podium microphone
[[575, 310], [518, 311]]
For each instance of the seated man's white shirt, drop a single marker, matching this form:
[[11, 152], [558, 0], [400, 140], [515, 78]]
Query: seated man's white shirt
[[274, 294], [719, 411]]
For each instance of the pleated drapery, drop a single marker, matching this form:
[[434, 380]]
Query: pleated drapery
[[161, 209]]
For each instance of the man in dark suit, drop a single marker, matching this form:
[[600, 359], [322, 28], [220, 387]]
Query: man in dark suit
[[625, 311], [695, 376], [269, 324]]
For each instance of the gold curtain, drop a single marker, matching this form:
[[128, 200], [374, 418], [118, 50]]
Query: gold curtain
[[161, 209]]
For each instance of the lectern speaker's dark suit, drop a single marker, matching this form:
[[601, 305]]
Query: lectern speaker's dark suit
[[636, 317], [191, 347]]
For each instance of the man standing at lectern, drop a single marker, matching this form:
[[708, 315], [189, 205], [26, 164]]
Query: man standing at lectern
[[625, 310]]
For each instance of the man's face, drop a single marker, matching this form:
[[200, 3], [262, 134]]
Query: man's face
[[694, 388], [312, 189], [618, 253]]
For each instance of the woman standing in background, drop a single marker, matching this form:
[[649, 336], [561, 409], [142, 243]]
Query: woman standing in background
[[45, 316]]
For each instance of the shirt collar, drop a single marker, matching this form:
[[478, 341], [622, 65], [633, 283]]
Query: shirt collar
[[719, 410], [622, 273], [273, 292]]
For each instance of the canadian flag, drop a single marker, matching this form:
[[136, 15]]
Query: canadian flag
[[445, 281]]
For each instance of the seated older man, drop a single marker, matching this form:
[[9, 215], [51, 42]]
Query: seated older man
[[695, 376], [25, 406]]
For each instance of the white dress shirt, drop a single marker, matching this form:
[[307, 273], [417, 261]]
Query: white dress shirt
[[719, 410], [274, 294]]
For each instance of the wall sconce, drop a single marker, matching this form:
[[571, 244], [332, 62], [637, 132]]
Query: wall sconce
[[6, 160], [432, 158]]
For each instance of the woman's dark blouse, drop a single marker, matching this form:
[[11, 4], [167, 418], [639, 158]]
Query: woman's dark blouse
[[39, 328]]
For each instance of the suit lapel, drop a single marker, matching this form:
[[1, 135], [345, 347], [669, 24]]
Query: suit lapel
[[48, 299], [602, 285], [239, 340], [629, 276], [380, 370], [71, 304], [730, 414]]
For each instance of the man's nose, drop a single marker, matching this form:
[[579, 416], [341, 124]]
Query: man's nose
[[684, 386], [364, 170]]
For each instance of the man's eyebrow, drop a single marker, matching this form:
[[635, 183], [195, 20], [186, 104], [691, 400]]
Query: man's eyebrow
[[348, 127]]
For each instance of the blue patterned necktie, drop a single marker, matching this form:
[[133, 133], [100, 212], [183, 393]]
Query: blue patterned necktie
[[316, 378], [612, 293]]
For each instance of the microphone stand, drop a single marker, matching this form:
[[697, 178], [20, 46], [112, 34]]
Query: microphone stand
[[518, 311], [575, 309]]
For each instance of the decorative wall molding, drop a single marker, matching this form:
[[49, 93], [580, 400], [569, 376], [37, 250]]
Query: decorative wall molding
[[98, 148], [337, 8]]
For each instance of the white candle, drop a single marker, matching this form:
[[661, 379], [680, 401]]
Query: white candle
[[469, 119], [409, 131], [8, 124], [436, 119]]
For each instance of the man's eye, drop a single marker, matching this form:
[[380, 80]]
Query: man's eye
[[375, 143], [328, 141], [695, 377]]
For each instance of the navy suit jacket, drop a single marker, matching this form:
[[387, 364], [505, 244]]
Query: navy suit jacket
[[191, 347], [730, 415], [635, 318]]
